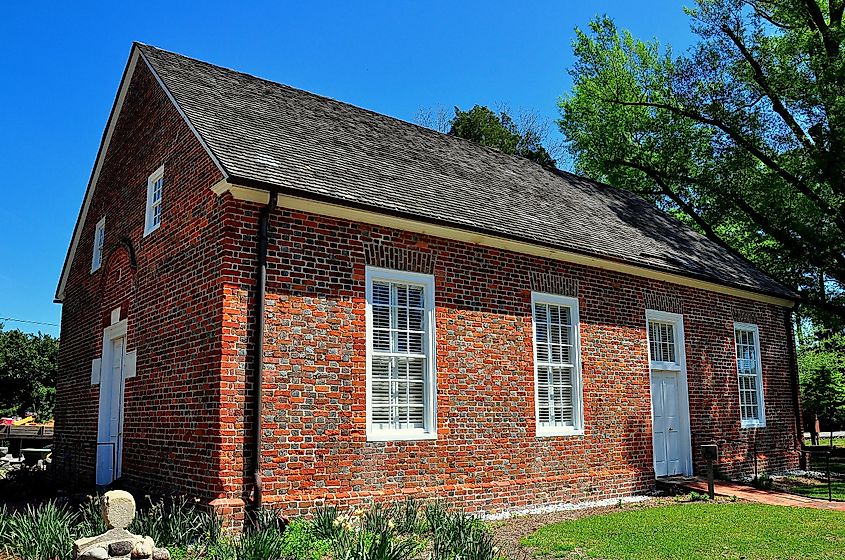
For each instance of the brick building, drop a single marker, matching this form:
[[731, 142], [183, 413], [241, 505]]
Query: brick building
[[426, 316]]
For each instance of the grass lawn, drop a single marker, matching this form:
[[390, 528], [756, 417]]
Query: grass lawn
[[698, 531], [819, 490]]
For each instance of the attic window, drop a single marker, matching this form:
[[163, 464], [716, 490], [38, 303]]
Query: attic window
[[155, 188], [99, 243]]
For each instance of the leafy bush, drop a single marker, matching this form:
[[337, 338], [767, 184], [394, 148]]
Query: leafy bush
[[300, 542]]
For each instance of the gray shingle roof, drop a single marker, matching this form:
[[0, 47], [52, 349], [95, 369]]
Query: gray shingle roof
[[279, 137]]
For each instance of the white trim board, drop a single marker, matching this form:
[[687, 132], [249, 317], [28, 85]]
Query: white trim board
[[455, 233], [128, 74]]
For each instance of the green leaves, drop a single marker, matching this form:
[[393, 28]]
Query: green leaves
[[483, 126], [821, 370], [742, 137], [28, 366]]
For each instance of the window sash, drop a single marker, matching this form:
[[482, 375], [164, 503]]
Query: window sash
[[556, 365], [749, 375], [663, 345], [99, 245], [155, 194], [400, 390]]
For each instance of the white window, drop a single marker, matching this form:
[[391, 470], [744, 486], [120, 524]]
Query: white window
[[99, 242], [663, 345], [401, 401], [155, 187], [557, 371], [748, 366]]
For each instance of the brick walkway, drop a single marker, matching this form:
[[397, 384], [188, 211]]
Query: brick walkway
[[771, 497]]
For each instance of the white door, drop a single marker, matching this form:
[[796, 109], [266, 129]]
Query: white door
[[110, 423], [667, 435], [669, 400]]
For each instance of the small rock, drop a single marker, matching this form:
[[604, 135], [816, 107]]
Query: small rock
[[161, 554], [120, 548], [118, 509], [142, 549], [96, 553]]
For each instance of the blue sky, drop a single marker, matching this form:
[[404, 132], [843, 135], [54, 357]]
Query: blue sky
[[61, 64]]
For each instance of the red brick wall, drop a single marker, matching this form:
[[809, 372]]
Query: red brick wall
[[172, 300], [189, 305], [486, 455]]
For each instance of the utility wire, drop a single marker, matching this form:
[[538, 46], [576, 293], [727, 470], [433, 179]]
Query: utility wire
[[12, 319]]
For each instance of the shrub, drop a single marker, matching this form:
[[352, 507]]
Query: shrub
[[300, 543]]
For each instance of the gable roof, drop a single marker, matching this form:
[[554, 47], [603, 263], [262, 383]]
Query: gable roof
[[274, 137]]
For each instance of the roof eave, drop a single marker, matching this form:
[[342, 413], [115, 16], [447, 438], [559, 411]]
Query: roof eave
[[250, 183]]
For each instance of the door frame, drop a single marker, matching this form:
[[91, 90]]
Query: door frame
[[110, 333], [683, 386]]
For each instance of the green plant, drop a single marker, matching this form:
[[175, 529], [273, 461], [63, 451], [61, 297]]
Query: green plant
[[176, 522], [257, 545], [324, 524], [364, 545], [5, 527], [378, 520], [268, 519], [764, 481], [697, 497], [300, 543], [91, 516], [406, 517], [460, 535], [434, 515], [45, 532]]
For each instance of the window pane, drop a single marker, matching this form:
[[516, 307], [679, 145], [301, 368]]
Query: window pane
[[398, 383], [555, 356], [750, 390], [662, 342]]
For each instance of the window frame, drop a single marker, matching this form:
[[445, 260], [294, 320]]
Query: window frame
[[677, 323], [149, 226], [99, 245], [577, 429], [761, 401], [429, 431]]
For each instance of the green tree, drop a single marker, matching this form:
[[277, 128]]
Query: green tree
[[481, 125], [821, 368], [28, 366], [743, 136]]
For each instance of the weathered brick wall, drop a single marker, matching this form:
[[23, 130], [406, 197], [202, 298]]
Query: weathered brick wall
[[171, 298], [486, 456], [189, 304]]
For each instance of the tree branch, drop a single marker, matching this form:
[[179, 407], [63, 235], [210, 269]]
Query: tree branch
[[831, 46], [744, 143], [763, 82], [674, 197]]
